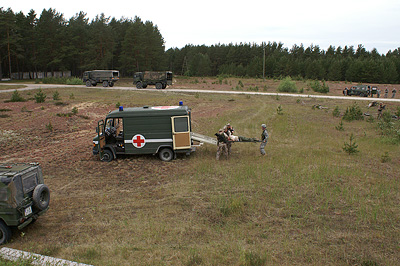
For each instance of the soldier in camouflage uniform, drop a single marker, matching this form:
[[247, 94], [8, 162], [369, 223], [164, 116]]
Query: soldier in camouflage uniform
[[228, 130], [222, 141], [264, 139]]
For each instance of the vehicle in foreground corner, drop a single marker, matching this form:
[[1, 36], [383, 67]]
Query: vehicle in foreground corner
[[161, 130], [23, 196]]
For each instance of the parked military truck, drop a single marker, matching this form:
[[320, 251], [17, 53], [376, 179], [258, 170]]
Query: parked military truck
[[23, 196], [105, 77], [159, 79], [161, 130], [360, 90]]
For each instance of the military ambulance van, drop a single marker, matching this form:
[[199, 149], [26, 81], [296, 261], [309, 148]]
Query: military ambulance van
[[161, 130]]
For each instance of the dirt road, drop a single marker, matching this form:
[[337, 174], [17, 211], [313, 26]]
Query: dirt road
[[298, 95]]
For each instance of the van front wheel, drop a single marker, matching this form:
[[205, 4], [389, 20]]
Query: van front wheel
[[166, 154], [107, 156]]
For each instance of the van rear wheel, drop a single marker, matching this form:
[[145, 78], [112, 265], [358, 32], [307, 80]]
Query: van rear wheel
[[5, 233], [166, 154], [105, 83]]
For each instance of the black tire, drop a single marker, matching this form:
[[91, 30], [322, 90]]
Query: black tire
[[139, 85], [166, 154], [41, 197], [164, 85], [88, 83], [144, 85], [94, 84], [158, 86], [105, 83], [108, 156], [5, 233], [111, 84]]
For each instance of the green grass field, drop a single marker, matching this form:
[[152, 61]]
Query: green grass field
[[307, 202]]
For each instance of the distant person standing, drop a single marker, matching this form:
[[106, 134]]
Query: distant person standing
[[380, 110], [378, 93], [393, 93], [386, 93], [264, 139]]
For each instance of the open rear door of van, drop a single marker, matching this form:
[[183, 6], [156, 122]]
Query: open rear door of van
[[102, 138], [181, 132]]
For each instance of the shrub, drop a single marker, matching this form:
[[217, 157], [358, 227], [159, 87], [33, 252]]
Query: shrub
[[253, 259], [49, 127], [351, 148], [16, 97], [62, 80], [385, 158], [316, 86], [387, 117], [40, 96], [398, 112], [353, 113], [336, 112], [279, 110], [389, 128], [56, 96], [287, 85], [74, 110], [74, 81], [340, 126]]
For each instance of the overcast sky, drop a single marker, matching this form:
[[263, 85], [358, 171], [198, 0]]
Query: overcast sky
[[374, 24]]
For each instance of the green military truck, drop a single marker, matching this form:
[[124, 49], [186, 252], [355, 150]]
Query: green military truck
[[159, 79], [23, 196], [161, 130], [360, 90], [105, 77]]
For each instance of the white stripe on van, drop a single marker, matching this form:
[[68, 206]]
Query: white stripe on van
[[150, 140]]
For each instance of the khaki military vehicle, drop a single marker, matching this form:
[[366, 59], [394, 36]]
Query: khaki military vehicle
[[159, 79], [23, 196], [360, 90], [105, 77]]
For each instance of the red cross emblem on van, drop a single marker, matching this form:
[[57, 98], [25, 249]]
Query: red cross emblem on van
[[138, 141]]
